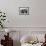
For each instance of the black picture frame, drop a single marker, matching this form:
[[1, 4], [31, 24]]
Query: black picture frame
[[23, 10]]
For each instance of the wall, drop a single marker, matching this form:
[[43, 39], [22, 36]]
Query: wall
[[36, 18], [38, 14], [11, 7]]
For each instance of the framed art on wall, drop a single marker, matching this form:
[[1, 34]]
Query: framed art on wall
[[23, 10]]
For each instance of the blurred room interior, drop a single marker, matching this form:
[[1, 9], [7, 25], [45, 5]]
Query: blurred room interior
[[22, 22]]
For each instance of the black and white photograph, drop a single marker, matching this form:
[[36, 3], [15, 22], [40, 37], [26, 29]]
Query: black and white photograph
[[23, 10]]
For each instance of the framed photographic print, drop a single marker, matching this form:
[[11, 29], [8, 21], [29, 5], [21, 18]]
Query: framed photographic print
[[23, 10]]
